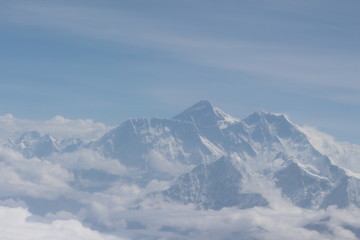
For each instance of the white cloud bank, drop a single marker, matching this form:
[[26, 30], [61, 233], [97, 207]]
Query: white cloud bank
[[31, 177], [86, 159], [14, 226], [113, 208], [172, 221], [58, 127], [183, 222], [344, 154]]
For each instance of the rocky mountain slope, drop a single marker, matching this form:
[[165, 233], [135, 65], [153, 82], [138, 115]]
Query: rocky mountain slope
[[214, 160]]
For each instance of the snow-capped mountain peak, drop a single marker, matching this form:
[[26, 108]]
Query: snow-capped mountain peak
[[190, 146], [28, 137], [204, 114], [262, 117], [33, 144]]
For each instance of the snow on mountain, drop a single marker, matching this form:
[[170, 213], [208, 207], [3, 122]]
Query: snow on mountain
[[344, 154], [304, 189], [33, 144], [276, 148], [199, 175], [165, 147], [204, 114], [211, 158], [159, 148], [222, 183], [70, 144]]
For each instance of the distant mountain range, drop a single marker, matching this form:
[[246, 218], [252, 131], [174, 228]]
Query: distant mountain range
[[215, 160]]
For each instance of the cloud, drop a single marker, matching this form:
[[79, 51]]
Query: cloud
[[349, 98], [86, 159], [283, 60], [159, 162], [31, 177], [58, 127], [344, 154], [276, 62], [14, 226], [118, 210], [181, 222]]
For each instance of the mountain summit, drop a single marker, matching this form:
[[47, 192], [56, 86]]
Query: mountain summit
[[204, 114], [214, 160]]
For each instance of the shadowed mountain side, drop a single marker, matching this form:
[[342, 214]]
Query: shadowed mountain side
[[186, 149], [217, 185]]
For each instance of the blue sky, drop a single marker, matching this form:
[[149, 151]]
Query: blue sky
[[112, 60]]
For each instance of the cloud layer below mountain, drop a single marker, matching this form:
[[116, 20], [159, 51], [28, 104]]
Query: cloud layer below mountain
[[183, 222], [126, 211], [15, 226]]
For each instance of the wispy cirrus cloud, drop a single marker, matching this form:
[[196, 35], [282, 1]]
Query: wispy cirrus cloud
[[290, 61]]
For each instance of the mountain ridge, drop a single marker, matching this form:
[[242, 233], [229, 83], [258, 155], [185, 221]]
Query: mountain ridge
[[202, 137]]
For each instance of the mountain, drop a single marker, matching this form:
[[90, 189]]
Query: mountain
[[270, 145], [223, 183], [164, 148], [214, 160], [33, 144], [204, 114]]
